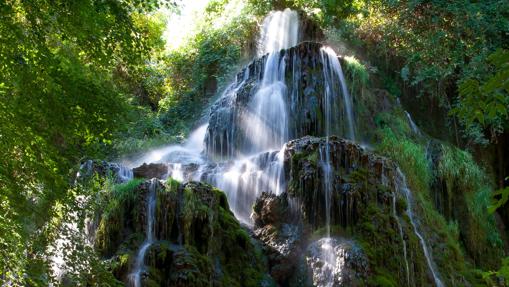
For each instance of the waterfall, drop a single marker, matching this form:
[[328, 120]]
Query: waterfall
[[139, 263], [385, 182], [265, 123], [125, 174], [242, 149], [267, 118], [413, 126], [400, 229], [244, 179], [332, 73], [280, 30], [403, 189], [255, 116]]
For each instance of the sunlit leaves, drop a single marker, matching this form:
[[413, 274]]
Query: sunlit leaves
[[486, 103], [59, 102]]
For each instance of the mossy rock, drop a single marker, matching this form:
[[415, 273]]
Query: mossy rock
[[198, 240]]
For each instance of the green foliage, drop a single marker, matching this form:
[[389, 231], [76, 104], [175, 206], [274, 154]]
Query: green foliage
[[59, 102], [483, 105], [437, 46], [144, 129], [358, 71], [196, 69], [491, 277], [113, 196], [464, 178], [410, 156], [325, 12], [504, 197], [438, 40], [458, 166]]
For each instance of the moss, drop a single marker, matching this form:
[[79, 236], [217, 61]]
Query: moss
[[410, 156], [465, 186], [171, 185], [116, 204], [466, 181], [384, 280], [359, 175], [377, 234], [358, 73], [311, 157]]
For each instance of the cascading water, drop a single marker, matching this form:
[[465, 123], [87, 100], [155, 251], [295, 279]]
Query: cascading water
[[139, 263], [413, 126], [400, 229], [244, 148], [403, 189], [280, 30], [333, 73], [385, 182], [243, 180], [267, 119]]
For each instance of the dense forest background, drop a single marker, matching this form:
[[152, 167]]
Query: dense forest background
[[97, 79]]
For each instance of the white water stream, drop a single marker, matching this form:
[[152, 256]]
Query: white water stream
[[135, 277], [403, 189]]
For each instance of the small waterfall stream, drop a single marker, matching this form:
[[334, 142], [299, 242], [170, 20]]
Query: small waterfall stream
[[413, 126], [400, 229], [139, 263], [403, 189], [333, 73], [327, 246]]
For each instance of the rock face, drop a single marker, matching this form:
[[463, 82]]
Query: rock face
[[117, 172], [227, 135], [198, 241], [337, 262], [365, 214], [355, 170], [280, 230], [450, 196], [152, 170]]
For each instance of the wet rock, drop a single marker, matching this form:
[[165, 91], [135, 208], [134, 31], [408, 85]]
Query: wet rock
[[357, 176], [365, 204], [104, 169], [282, 235], [337, 262], [197, 240], [304, 78], [152, 170]]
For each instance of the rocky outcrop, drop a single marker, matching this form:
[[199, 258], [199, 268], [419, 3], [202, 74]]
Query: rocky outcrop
[[279, 228], [103, 169], [152, 170], [337, 262], [198, 241], [359, 177], [304, 79], [368, 220]]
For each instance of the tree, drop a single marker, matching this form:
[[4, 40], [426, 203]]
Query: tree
[[59, 102]]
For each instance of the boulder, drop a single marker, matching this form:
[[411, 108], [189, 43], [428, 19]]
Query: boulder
[[337, 262], [152, 170], [281, 233], [104, 169], [197, 240]]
